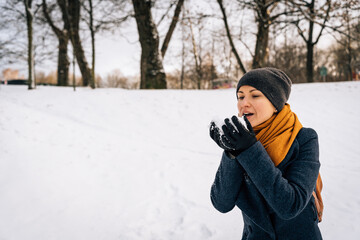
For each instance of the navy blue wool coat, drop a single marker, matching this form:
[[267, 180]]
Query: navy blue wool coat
[[276, 202]]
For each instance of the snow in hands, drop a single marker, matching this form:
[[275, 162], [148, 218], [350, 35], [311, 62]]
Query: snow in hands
[[217, 128], [219, 122]]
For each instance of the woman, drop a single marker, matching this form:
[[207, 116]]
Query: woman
[[270, 167]]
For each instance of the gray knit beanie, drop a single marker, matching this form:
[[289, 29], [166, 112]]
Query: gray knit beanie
[[272, 82]]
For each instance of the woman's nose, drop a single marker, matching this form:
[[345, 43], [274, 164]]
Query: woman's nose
[[244, 102]]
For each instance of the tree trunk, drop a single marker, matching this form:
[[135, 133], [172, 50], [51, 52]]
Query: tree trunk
[[262, 37], [196, 57], [349, 58], [92, 31], [310, 43], [73, 66], [29, 21], [73, 17], [182, 76], [261, 49], [310, 46], [310, 62], [63, 61], [183, 39], [348, 46], [152, 71], [63, 38]]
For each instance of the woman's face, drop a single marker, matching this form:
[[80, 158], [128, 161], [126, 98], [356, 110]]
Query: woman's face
[[254, 104]]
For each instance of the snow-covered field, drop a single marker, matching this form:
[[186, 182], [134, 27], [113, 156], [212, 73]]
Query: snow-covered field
[[118, 164]]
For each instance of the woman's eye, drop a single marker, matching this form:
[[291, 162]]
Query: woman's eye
[[256, 96], [240, 98]]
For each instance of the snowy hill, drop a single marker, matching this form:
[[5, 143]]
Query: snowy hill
[[118, 164]]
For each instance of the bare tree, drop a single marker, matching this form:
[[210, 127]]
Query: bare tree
[[7, 40], [227, 28], [197, 56], [115, 79], [103, 15], [6, 25], [290, 58], [266, 14], [92, 32], [347, 43], [347, 36], [63, 38], [183, 39], [71, 12], [21, 41], [29, 22], [152, 71], [310, 13]]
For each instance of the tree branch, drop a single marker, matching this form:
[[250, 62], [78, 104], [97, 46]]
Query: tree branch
[[300, 31], [49, 20], [233, 49], [328, 2], [166, 13], [172, 27]]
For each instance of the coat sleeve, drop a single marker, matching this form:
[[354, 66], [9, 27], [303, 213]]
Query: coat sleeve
[[226, 186], [286, 193]]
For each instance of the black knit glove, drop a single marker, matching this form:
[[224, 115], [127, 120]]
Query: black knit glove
[[216, 134], [234, 139]]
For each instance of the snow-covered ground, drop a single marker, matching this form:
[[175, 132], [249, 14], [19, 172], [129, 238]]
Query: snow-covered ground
[[119, 164]]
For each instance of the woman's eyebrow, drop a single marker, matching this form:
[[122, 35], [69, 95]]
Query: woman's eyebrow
[[252, 90]]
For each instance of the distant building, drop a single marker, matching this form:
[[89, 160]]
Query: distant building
[[12, 74]]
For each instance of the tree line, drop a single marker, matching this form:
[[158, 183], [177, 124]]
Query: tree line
[[222, 38]]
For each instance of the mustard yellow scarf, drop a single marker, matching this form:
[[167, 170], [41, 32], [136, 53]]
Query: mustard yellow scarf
[[277, 134]]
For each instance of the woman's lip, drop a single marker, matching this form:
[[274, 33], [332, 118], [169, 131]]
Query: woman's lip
[[249, 116]]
